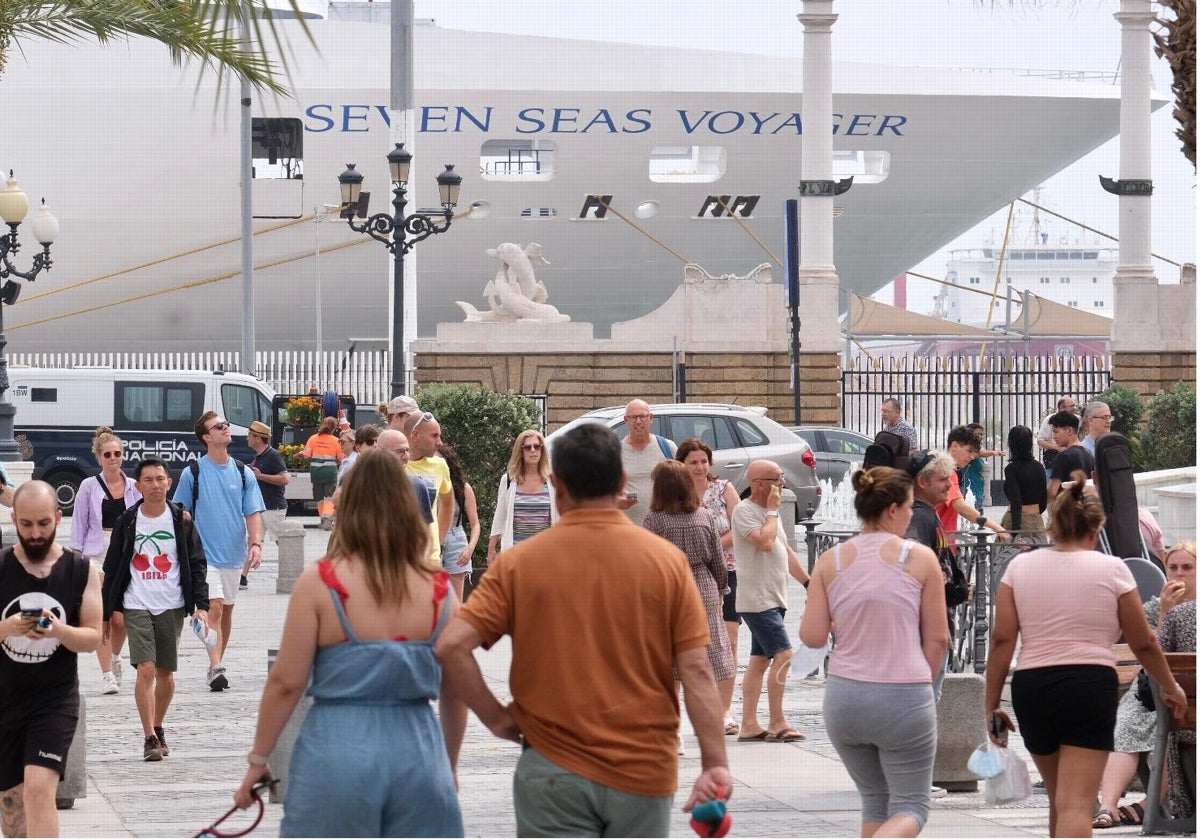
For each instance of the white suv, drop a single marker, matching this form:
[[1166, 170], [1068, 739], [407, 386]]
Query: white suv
[[737, 435]]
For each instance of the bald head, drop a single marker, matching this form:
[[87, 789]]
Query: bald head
[[34, 496], [36, 515], [638, 419], [393, 441], [763, 477]]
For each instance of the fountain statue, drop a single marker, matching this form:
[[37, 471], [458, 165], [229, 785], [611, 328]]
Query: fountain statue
[[515, 294]]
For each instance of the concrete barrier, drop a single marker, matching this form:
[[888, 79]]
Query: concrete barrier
[[960, 731], [291, 556], [280, 758], [74, 781]]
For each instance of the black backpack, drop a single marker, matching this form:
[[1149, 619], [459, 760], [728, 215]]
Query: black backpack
[[194, 468], [888, 450]]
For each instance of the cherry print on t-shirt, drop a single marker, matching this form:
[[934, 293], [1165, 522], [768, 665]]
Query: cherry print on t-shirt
[[142, 562]]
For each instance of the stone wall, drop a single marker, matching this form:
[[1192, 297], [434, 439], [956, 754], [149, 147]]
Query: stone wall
[[1151, 372], [575, 383]]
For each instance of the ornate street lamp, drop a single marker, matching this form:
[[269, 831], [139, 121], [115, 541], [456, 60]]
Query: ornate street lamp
[[399, 233], [14, 205]]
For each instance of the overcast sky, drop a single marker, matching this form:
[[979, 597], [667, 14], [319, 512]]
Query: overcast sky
[[1079, 35]]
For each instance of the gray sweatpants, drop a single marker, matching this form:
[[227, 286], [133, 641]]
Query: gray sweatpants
[[886, 735]]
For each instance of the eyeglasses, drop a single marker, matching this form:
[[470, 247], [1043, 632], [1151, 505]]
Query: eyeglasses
[[116, 454], [531, 447], [640, 418], [780, 480], [219, 427], [424, 418], [1107, 418]]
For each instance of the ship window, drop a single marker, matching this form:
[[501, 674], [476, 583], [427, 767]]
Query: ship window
[[1063, 255], [1076, 255], [866, 167], [1072, 303], [975, 281], [539, 213], [1045, 255], [1091, 255], [1098, 303], [277, 148], [1065, 280], [1094, 280], [686, 164], [517, 160]]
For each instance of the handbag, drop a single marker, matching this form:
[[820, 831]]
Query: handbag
[[1142, 691], [957, 589]]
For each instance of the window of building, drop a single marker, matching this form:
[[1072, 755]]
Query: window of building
[[517, 160], [686, 164]]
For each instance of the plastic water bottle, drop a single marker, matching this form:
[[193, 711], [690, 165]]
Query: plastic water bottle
[[209, 638]]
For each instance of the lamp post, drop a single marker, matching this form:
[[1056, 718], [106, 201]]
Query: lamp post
[[14, 206], [399, 233]]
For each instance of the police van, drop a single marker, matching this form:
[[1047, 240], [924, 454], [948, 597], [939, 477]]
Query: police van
[[153, 411]]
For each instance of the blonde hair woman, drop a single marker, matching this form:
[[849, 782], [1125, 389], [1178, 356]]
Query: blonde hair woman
[[524, 502], [371, 758], [100, 500]]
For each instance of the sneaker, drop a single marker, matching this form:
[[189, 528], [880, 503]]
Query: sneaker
[[162, 741], [152, 751], [217, 681], [116, 669], [243, 583], [109, 680], [936, 792]]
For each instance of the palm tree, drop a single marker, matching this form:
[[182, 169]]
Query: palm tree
[[192, 30], [1176, 42]]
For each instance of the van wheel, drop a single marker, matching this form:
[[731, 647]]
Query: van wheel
[[66, 488]]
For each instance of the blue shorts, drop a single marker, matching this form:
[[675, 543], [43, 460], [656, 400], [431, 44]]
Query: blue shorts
[[768, 634]]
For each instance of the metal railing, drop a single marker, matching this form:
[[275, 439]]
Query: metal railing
[[983, 561]]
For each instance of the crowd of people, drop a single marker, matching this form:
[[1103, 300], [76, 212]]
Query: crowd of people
[[622, 570]]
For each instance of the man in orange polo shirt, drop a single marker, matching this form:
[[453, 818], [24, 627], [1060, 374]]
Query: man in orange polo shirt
[[599, 611]]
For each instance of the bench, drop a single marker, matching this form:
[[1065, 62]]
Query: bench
[[1183, 668], [1127, 668]]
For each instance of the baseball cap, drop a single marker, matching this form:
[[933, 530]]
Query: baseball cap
[[261, 428], [403, 405]]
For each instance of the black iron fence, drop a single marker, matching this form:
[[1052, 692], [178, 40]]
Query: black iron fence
[[982, 561], [940, 393]]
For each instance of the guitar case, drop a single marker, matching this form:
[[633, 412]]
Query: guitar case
[[1114, 481]]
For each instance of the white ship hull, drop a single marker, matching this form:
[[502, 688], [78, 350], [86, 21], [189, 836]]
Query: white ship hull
[[140, 166]]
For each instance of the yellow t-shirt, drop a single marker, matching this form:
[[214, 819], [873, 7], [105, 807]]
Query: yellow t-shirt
[[597, 609], [435, 475]]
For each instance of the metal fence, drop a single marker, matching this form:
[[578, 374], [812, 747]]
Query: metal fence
[[983, 562], [939, 393]]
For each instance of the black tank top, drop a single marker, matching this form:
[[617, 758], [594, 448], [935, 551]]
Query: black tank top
[[111, 507], [35, 671]]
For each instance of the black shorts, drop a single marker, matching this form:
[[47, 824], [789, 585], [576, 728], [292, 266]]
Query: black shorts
[[43, 740], [729, 608], [1066, 705]]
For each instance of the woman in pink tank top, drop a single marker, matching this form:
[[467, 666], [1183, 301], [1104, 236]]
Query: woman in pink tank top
[[886, 598], [1069, 604]]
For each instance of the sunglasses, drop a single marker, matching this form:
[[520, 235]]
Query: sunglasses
[[531, 447], [218, 427], [424, 417], [116, 454]]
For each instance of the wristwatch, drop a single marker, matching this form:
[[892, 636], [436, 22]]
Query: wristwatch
[[774, 513], [981, 521]]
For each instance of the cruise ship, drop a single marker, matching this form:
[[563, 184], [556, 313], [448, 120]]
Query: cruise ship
[[622, 162]]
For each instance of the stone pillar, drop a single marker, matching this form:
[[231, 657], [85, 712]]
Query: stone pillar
[[291, 556], [819, 331], [1135, 324]]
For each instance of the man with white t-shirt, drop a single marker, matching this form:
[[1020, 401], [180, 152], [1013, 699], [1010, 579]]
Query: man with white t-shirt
[[641, 452], [154, 573]]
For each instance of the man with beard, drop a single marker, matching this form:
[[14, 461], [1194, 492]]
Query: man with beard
[[51, 613]]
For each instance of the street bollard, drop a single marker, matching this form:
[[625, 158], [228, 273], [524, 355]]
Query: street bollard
[[959, 731], [291, 556], [787, 515], [281, 757]]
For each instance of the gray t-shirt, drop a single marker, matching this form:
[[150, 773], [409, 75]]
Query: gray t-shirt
[[762, 576], [637, 466]]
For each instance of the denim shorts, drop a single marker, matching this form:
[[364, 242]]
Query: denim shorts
[[768, 633]]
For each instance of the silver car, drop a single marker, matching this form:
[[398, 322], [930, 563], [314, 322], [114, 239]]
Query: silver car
[[836, 449], [737, 435]]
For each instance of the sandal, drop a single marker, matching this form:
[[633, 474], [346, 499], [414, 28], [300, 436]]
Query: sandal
[[732, 728], [1132, 814], [1104, 819]]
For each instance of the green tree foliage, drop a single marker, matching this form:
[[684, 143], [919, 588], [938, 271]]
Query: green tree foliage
[[1169, 440], [481, 425], [1127, 408], [229, 37]]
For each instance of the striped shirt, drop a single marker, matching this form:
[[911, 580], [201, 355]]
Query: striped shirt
[[531, 514]]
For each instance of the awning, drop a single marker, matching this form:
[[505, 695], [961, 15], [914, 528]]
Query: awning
[[870, 318], [1048, 318]]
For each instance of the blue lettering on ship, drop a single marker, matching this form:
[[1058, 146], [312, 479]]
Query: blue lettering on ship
[[459, 119]]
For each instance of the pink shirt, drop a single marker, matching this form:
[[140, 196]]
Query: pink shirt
[[876, 611], [1067, 606]]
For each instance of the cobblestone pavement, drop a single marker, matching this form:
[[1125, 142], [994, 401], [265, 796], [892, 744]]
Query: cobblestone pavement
[[783, 790]]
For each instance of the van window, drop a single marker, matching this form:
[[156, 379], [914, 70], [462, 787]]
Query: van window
[[243, 405], [158, 406], [43, 395]]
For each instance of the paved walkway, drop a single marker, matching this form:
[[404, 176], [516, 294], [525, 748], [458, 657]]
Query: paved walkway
[[783, 790]]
